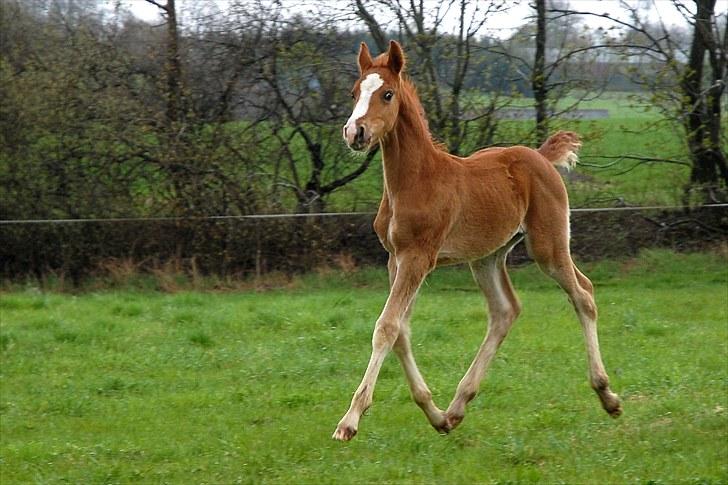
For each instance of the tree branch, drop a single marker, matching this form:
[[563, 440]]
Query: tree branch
[[340, 182]]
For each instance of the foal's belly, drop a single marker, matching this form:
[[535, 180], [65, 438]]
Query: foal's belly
[[468, 243], [473, 235]]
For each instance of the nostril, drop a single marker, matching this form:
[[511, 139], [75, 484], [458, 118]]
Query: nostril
[[360, 133]]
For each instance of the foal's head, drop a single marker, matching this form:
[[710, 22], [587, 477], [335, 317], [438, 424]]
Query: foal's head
[[376, 95]]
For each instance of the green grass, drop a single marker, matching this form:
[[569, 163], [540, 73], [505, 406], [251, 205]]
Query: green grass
[[132, 386], [620, 104]]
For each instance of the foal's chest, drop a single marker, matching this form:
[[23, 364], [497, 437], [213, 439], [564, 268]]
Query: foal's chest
[[399, 230]]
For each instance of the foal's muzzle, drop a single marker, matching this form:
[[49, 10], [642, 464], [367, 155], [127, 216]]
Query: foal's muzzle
[[357, 136]]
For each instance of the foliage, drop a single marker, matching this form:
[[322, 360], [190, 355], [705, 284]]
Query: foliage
[[91, 127], [139, 386]]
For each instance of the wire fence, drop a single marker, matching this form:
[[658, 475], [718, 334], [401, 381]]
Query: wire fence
[[252, 245], [315, 215]]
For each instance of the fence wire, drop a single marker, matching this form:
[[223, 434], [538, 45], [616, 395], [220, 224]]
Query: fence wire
[[257, 244], [312, 215]]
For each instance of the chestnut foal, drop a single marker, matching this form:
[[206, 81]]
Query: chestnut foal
[[439, 209]]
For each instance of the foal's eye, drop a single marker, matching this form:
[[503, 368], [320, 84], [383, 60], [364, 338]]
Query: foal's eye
[[388, 95]]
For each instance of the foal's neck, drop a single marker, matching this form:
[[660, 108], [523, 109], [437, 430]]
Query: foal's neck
[[408, 152]]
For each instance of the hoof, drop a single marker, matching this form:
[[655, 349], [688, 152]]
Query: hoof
[[442, 428], [449, 423], [611, 404], [453, 420], [615, 411], [344, 433]]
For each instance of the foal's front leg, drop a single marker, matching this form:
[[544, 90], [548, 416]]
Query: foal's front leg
[[411, 270], [403, 348]]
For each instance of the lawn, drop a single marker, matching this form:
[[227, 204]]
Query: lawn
[[131, 385]]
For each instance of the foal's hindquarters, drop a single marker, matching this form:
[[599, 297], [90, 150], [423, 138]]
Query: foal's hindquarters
[[545, 226]]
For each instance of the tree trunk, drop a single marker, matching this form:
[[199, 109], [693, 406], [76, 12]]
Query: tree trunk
[[538, 76], [701, 107], [173, 69], [455, 131]]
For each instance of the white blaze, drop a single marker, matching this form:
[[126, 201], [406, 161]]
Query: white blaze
[[367, 88]]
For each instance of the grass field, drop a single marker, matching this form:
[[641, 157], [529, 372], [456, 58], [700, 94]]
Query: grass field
[[201, 387]]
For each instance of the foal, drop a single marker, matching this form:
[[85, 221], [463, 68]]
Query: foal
[[439, 209]]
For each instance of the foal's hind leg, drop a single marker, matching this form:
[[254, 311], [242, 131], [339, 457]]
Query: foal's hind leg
[[420, 392], [555, 260], [503, 309]]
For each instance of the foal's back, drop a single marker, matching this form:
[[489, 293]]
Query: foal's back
[[526, 171], [502, 191]]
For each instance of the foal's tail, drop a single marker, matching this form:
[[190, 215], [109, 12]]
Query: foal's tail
[[562, 149]]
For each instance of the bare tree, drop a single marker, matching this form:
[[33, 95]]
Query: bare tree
[[298, 99], [678, 83], [702, 103], [556, 56], [538, 74]]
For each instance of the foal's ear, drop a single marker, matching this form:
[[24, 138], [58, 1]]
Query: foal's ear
[[396, 57], [365, 58]]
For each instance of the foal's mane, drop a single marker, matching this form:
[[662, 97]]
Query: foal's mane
[[410, 105]]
